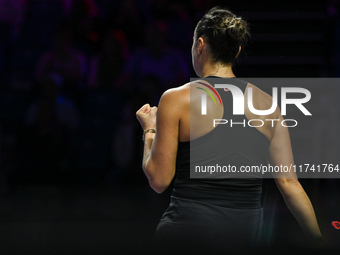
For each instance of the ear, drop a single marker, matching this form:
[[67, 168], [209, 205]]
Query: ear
[[200, 45], [239, 50]]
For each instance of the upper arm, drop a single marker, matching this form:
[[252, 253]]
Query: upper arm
[[280, 152], [164, 147]]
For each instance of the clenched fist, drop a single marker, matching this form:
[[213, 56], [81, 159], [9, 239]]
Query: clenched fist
[[146, 116]]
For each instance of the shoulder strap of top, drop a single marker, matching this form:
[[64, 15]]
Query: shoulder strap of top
[[242, 84]]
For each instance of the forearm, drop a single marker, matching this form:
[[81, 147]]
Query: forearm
[[299, 204], [159, 155], [149, 137]]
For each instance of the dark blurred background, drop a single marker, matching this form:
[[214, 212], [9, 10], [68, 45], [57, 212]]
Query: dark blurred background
[[74, 72]]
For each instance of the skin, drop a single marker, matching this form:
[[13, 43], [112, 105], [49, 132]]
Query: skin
[[173, 126]]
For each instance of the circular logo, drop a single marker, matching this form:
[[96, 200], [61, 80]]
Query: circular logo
[[336, 224]]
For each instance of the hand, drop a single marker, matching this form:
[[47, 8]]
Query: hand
[[146, 116]]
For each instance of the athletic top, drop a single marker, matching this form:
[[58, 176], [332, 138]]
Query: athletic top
[[239, 145]]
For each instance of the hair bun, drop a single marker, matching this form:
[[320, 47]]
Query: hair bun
[[236, 27]]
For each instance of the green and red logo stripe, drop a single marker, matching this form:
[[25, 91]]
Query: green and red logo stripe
[[213, 90]]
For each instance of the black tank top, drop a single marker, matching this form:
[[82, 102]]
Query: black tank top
[[238, 145]]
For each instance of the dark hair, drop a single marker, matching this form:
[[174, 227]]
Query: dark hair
[[224, 32]]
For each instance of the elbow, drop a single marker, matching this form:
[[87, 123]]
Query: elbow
[[159, 182], [286, 182], [289, 186], [159, 186], [158, 189]]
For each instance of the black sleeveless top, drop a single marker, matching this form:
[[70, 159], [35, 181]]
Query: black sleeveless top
[[239, 145]]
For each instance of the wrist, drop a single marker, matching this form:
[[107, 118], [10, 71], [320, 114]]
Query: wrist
[[148, 133], [148, 127], [149, 136]]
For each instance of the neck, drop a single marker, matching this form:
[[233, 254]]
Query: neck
[[217, 70]]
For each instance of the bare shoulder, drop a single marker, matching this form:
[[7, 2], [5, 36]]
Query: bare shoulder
[[177, 94], [262, 99], [260, 93], [181, 95]]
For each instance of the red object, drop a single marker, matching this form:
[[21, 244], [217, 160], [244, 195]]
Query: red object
[[336, 224]]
